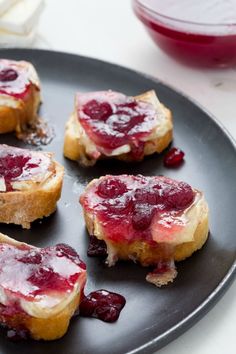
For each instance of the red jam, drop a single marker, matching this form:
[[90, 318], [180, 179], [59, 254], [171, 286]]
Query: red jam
[[30, 272], [14, 79], [102, 304], [37, 133], [21, 165], [8, 75], [112, 120], [6, 313], [127, 206], [174, 157], [163, 267], [163, 273]]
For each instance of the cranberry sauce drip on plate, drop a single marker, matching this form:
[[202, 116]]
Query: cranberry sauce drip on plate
[[102, 304], [112, 120], [174, 157], [21, 165], [130, 207], [29, 272], [14, 79]]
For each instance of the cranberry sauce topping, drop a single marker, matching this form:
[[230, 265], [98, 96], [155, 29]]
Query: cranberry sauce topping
[[19, 332], [102, 304], [14, 79], [127, 206], [112, 120], [96, 248], [37, 133], [21, 165], [174, 157], [31, 272], [164, 273], [163, 267]]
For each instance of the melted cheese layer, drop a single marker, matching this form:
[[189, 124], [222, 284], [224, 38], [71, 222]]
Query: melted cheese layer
[[175, 229]]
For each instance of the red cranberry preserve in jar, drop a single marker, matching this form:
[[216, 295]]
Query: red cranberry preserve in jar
[[196, 32]]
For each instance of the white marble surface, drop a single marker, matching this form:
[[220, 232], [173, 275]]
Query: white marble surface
[[108, 30]]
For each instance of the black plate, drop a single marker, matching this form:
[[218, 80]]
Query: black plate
[[152, 317]]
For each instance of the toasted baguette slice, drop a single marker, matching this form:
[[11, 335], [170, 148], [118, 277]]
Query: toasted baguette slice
[[34, 304], [19, 103], [79, 147], [32, 194], [132, 232]]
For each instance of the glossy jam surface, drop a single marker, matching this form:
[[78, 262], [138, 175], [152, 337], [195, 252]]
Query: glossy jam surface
[[21, 165], [112, 120], [127, 206], [33, 272], [174, 157], [102, 304], [163, 267], [196, 32], [14, 79]]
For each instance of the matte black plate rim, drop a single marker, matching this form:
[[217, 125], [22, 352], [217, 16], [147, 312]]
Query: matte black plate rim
[[193, 318]]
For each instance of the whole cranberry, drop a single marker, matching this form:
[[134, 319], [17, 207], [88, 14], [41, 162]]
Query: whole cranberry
[[142, 216], [180, 197], [174, 157], [8, 75]]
